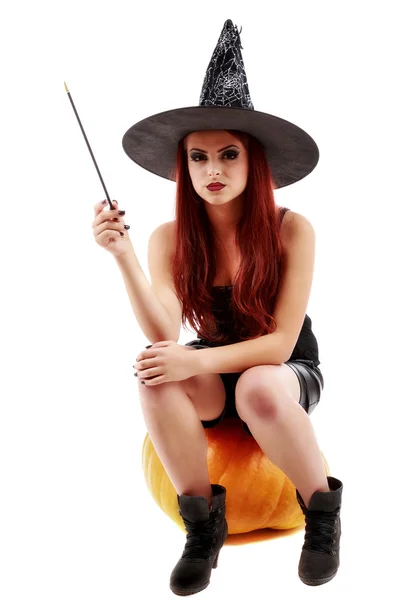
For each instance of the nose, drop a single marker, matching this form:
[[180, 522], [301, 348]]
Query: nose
[[214, 170]]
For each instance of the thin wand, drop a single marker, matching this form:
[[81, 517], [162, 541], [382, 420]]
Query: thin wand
[[88, 145]]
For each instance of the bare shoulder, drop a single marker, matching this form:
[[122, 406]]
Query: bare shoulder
[[170, 227], [169, 233], [166, 232], [295, 226], [164, 239]]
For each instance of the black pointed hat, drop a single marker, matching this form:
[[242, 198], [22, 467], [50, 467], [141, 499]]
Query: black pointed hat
[[225, 103]]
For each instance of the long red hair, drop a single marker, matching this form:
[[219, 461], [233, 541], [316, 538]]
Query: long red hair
[[257, 236]]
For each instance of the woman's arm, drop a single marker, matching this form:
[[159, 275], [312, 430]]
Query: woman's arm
[[152, 316]]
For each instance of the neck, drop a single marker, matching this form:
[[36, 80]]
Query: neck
[[224, 219]]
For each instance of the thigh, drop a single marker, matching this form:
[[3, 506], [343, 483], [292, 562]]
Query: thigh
[[229, 381], [307, 388], [207, 393]]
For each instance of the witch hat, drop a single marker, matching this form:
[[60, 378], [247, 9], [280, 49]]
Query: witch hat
[[225, 103]]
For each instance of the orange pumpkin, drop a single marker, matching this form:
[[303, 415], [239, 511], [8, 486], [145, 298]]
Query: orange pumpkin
[[258, 494]]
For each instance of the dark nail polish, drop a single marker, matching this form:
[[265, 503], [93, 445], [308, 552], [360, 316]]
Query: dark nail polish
[[143, 383], [127, 226], [135, 374], [121, 233], [115, 219], [121, 212], [149, 346]]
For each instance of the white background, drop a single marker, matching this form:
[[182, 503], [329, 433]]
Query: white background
[[77, 520]]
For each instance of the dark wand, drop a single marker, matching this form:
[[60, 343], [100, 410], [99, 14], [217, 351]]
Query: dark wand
[[88, 145]]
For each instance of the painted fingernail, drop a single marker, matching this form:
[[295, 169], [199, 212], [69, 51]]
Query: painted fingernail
[[135, 374], [149, 346], [104, 202], [127, 226], [143, 383]]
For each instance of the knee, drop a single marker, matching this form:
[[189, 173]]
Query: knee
[[151, 397], [259, 398], [144, 389], [262, 406]]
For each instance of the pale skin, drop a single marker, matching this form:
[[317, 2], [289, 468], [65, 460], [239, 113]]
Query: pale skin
[[267, 396]]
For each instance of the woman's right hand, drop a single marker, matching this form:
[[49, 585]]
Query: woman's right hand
[[107, 232]]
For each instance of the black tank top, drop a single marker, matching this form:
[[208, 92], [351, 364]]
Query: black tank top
[[306, 348]]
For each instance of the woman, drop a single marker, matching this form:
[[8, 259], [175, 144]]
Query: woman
[[239, 270]]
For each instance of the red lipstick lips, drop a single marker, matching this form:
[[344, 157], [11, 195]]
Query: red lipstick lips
[[214, 187]]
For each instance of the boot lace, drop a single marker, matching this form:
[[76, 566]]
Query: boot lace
[[200, 537], [319, 531]]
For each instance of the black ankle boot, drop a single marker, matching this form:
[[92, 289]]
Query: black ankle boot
[[319, 560], [206, 534]]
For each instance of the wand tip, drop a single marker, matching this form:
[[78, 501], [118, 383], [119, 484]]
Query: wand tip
[[66, 89]]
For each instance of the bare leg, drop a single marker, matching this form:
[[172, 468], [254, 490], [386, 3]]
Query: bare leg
[[178, 436], [267, 399], [285, 434]]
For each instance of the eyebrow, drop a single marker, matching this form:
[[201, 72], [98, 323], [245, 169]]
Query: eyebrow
[[220, 150]]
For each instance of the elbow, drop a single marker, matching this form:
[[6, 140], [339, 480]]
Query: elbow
[[286, 353], [285, 350], [164, 337], [285, 358]]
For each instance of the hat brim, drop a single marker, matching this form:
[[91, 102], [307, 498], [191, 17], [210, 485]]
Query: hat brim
[[152, 143]]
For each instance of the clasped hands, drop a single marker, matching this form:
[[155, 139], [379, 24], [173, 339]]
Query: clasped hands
[[167, 361]]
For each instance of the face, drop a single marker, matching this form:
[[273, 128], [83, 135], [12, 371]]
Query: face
[[217, 157]]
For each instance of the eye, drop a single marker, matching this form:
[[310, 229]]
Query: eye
[[231, 154], [196, 157]]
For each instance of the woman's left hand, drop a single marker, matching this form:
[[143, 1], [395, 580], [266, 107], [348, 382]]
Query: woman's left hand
[[166, 361]]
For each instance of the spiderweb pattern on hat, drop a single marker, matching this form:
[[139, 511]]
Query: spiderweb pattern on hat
[[225, 81]]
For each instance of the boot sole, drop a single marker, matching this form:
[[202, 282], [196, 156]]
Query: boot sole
[[317, 581], [189, 592]]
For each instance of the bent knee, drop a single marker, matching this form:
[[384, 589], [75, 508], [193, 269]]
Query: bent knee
[[261, 392], [259, 405], [151, 394], [260, 398]]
